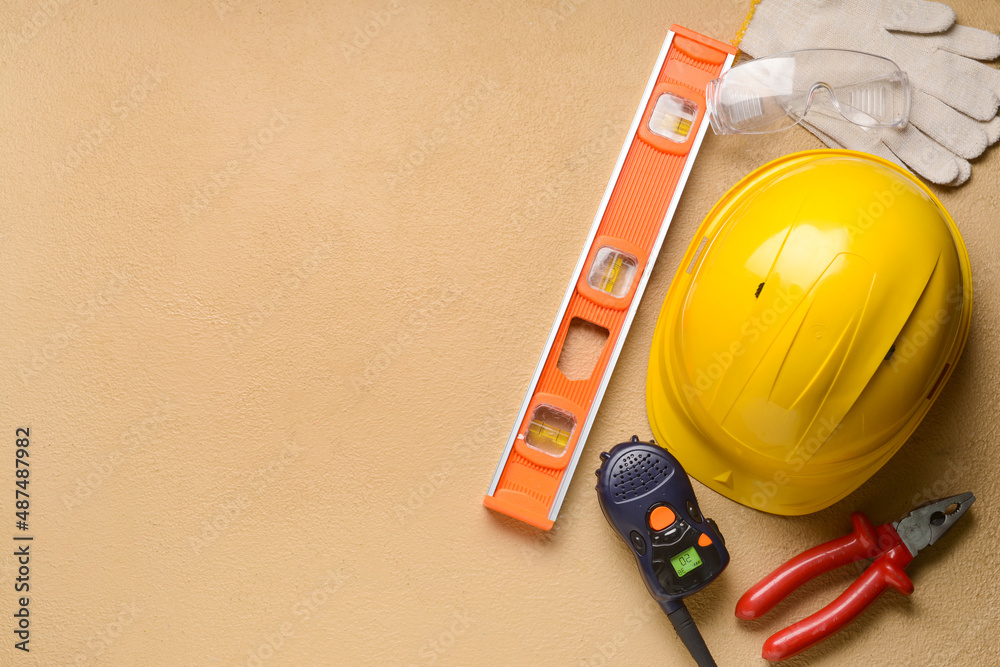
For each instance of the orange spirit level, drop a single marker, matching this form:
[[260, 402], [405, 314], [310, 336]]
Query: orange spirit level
[[547, 439]]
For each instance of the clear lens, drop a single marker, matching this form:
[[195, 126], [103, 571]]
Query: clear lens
[[775, 92]]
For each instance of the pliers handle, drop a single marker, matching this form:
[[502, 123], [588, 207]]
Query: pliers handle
[[866, 541]]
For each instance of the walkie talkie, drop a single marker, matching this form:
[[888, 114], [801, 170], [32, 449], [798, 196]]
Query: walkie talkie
[[647, 497]]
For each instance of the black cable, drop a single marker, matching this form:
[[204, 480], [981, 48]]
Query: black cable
[[688, 632]]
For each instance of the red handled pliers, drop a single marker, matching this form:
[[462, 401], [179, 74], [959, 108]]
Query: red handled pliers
[[893, 546]]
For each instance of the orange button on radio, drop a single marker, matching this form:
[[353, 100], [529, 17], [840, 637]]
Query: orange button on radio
[[661, 517], [704, 540]]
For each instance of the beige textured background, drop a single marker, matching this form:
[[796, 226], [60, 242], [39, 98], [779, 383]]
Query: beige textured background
[[272, 292]]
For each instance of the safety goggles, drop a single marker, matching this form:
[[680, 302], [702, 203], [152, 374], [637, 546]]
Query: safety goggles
[[775, 92]]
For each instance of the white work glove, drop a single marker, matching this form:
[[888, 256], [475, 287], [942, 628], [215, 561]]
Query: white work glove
[[953, 101]]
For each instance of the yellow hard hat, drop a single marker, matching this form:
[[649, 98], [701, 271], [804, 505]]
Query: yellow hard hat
[[816, 316]]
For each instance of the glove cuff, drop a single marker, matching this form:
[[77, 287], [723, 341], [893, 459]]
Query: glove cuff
[[737, 41]]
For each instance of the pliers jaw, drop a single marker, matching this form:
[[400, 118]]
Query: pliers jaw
[[892, 546], [927, 523]]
